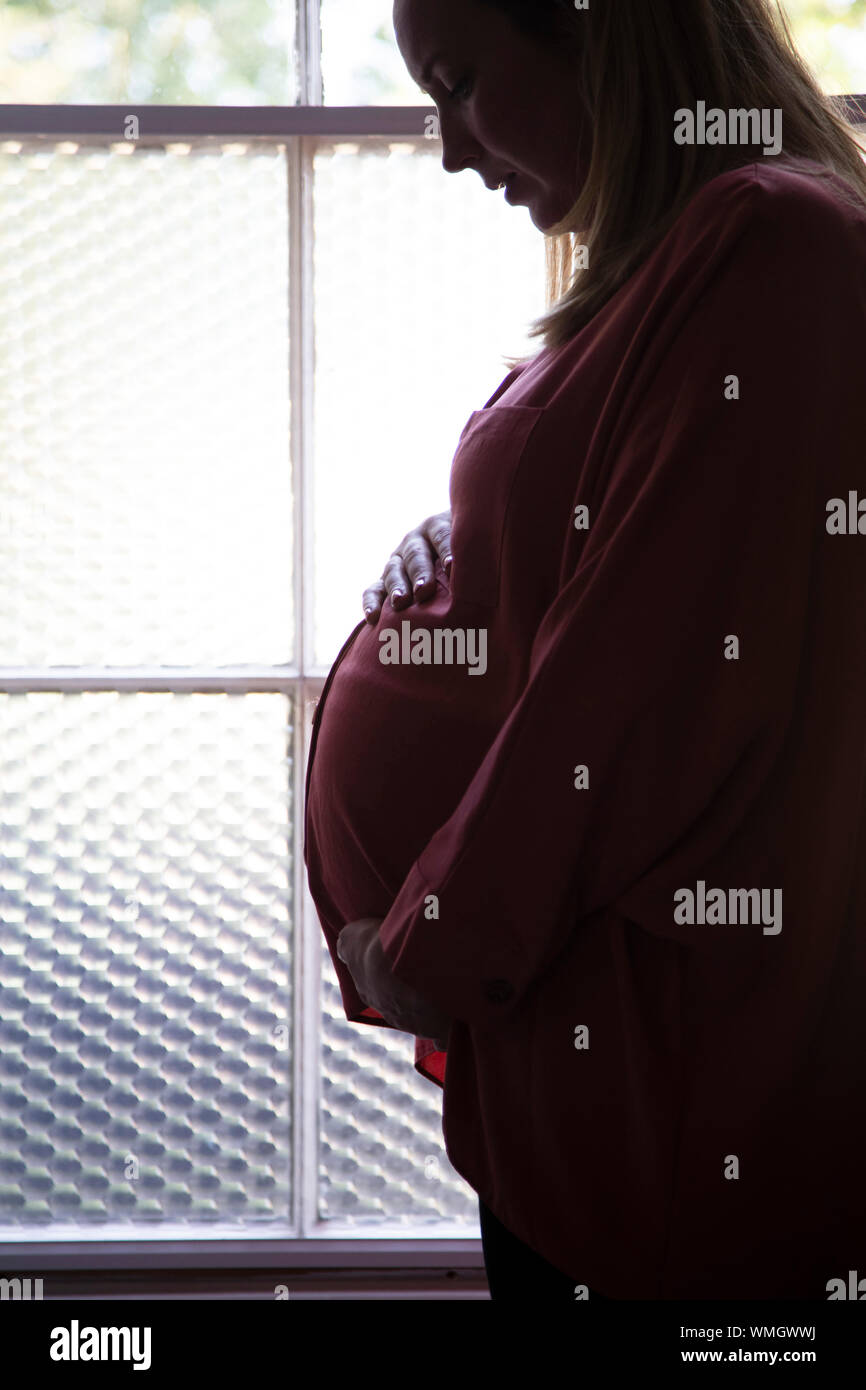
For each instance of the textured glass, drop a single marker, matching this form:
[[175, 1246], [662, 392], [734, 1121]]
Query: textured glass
[[145, 968], [216, 52], [423, 283], [381, 1152], [145, 486]]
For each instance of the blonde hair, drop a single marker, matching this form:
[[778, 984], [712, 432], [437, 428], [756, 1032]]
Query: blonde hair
[[640, 60]]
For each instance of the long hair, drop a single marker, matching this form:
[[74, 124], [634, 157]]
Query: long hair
[[639, 62]]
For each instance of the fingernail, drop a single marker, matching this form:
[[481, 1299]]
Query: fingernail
[[419, 583], [398, 593]]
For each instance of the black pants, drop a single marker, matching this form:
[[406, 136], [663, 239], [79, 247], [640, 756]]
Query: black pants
[[514, 1271]]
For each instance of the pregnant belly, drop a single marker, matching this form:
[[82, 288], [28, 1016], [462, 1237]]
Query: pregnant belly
[[394, 749]]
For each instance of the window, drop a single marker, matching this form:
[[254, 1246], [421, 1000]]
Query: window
[[214, 336], [215, 296]]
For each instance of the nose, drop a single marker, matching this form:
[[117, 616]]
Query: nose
[[459, 150]]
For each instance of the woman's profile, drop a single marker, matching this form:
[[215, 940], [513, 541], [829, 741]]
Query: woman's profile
[[615, 881]]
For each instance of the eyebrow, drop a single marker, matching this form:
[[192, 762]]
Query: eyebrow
[[426, 71]]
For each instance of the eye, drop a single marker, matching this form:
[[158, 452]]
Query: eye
[[462, 89]]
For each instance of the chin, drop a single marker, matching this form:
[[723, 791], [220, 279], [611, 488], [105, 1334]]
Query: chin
[[546, 213], [543, 217]]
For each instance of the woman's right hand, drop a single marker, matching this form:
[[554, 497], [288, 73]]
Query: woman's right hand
[[408, 575]]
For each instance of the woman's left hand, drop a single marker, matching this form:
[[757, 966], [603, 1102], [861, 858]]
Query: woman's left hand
[[359, 947]]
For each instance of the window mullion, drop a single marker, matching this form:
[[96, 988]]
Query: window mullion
[[309, 51], [307, 947]]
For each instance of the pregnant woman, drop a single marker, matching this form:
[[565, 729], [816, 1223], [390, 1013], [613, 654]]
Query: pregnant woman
[[588, 817]]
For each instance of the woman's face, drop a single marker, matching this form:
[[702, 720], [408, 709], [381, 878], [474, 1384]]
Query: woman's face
[[508, 106]]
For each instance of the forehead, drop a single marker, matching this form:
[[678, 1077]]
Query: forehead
[[425, 28]]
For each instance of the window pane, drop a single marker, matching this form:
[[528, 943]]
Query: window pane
[[423, 283], [381, 1152], [831, 36], [211, 52], [145, 968], [145, 495], [361, 63]]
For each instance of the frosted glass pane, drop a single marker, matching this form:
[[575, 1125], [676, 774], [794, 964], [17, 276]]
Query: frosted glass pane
[[381, 1151], [423, 283], [145, 960], [145, 492]]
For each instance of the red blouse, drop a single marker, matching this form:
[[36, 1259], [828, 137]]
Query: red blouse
[[663, 1104]]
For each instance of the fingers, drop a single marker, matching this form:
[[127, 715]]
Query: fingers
[[396, 580], [437, 529], [372, 601], [394, 584], [408, 576], [359, 948], [419, 559]]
